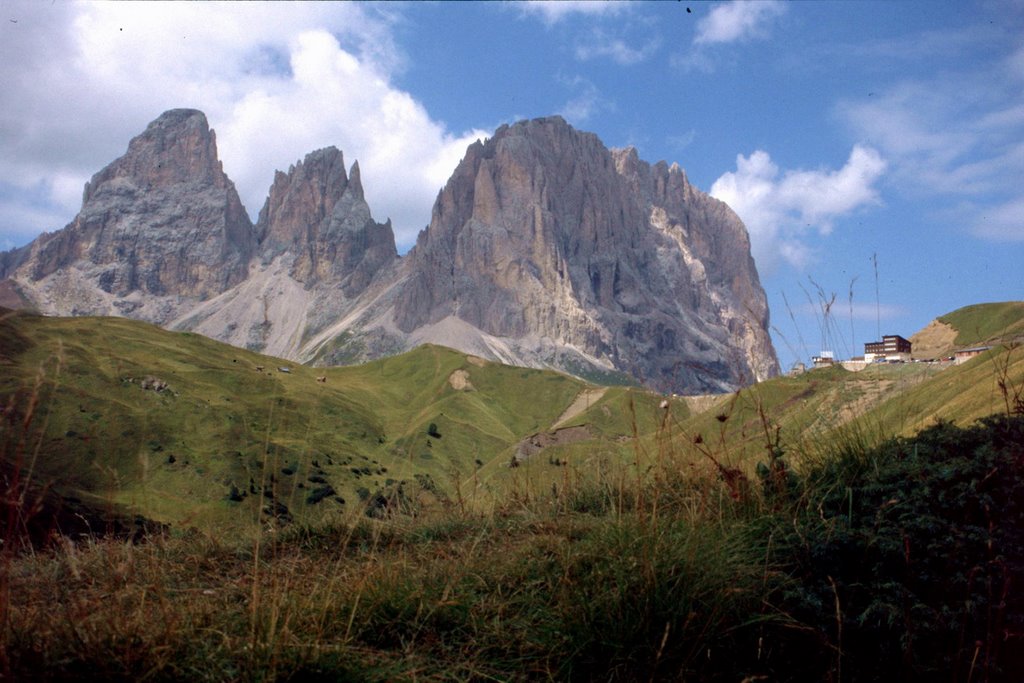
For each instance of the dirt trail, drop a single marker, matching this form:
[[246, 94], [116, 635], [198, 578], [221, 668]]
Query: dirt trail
[[557, 435], [704, 402], [583, 400]]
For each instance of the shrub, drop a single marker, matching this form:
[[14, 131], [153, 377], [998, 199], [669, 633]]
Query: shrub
[[908, 559]]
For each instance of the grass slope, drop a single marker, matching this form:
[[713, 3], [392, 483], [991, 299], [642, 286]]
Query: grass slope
[[817, 407], [660, 552], [227, 447], [987, 323], [80, 420], [892, 563]]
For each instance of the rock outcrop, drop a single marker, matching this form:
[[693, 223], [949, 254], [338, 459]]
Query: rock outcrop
[[544, 249]]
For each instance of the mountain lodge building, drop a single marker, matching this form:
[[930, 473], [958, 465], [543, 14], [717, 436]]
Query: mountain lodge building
[[893, 347]]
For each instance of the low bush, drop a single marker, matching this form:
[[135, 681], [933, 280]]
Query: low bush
[[907, 561]]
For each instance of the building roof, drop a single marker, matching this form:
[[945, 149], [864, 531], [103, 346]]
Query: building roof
[[975, 349]]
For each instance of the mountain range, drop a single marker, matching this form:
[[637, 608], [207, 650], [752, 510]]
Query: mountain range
[[544, 249]]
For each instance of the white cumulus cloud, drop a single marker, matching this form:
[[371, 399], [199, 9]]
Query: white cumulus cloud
[[737, 21], [553, 11], [334, 98], [780, 207]]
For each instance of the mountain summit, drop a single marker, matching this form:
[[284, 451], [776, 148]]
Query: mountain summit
[[544, 249], [160, 229], [318, 216], [547, 248]]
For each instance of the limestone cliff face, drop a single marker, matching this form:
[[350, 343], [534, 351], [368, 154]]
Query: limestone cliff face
[[318, 216], [715, 249], [545, 239], [163, 222]]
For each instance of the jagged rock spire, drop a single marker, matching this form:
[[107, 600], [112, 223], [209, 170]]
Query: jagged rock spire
[[317, 217]]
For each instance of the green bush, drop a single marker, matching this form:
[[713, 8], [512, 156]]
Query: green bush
[[906, 562]]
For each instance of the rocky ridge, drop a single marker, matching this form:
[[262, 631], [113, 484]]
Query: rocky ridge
[[318, 250], [544, 249], [317, 216]]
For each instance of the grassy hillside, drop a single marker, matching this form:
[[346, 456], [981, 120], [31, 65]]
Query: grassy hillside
[[188, 431], [112, 414], [986, 323], [799, 411], [978, 325], [815, 409]]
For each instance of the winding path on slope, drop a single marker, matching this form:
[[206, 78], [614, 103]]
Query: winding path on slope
[[583, 400]]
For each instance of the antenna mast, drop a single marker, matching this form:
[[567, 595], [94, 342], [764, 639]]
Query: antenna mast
[[878, 305]]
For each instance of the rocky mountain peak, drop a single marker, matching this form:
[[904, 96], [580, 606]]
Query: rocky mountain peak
[[627, 159], [544, 233], [178, 147], [544, 248], [301, 198], [316, 215], [163, 220]]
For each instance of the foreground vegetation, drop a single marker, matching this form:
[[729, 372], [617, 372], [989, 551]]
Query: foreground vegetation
[[901, 561], [184, 531]]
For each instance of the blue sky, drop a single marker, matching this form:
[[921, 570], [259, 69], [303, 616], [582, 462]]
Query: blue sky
[[842, 133]]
